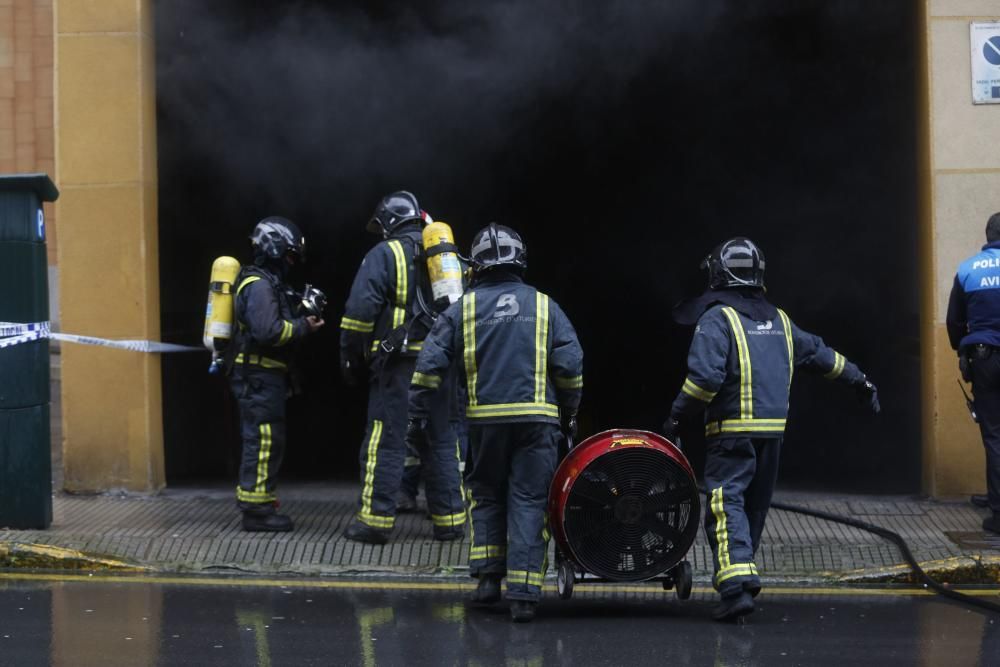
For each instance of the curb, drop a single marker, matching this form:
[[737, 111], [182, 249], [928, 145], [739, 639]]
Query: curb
[[982, 570], [46, 557]]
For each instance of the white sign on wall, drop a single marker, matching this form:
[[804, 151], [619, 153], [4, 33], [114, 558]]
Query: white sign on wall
[[985, 40]]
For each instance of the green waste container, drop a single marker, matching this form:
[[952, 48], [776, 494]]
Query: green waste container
[[25, 438]]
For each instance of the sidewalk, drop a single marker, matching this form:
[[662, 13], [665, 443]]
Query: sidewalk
[[197, 530]]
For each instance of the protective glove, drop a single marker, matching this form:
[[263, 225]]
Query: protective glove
[[348, 374], [568, 425], [416, 433], [868, 395], [670, 428]]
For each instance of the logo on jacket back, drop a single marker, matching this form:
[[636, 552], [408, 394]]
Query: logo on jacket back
[[765, 326]]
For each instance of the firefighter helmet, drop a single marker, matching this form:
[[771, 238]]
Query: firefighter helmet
[[394, 210], [736, 263], [275, 237], [498, 245]]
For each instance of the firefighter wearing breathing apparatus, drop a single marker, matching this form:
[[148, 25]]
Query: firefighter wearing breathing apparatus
[[389, 311], [270, 320], [522, 365], [740, 366]]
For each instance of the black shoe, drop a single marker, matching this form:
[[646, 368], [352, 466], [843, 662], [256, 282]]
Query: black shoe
[[405, 503], [360, 532], [992, 523], [731, 608], [256, 522], [522, 611], [752, 589], [488, 589], [979, 501], [448, 534]]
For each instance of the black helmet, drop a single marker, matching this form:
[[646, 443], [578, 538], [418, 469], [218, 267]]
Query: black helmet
[[275, 237], [392, 211], [736, 263], [498, 245]]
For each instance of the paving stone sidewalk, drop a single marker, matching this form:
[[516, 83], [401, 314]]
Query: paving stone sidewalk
[[198, 530]]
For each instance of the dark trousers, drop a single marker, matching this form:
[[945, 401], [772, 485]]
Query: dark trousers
[[261, 397], [511, 468], [383, 451], [986, 390], [413, 468], [740, 474]]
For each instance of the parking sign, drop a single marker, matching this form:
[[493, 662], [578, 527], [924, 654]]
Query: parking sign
[[985, 41]]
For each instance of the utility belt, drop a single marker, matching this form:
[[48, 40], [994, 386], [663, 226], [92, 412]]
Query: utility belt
[[969, 354]]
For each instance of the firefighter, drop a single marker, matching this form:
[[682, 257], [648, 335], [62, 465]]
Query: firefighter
[[973, 323], [269, 324], [382, 331], [740, 367], [522, 366]]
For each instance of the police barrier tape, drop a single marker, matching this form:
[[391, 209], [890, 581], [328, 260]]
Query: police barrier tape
[[15, 333]]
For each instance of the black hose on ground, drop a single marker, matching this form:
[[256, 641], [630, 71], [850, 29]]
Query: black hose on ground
[[904, 549]]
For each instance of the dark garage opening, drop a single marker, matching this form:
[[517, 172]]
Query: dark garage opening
[[623, 140]]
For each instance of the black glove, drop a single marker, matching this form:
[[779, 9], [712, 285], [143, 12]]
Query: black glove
[[568, 425], [670, 428], [348, 373], [868, 395], [416, 433]]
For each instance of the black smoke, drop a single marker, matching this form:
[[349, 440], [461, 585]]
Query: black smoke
[[624, 139]]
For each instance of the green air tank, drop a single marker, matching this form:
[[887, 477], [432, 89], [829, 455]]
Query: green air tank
[[25, 438]]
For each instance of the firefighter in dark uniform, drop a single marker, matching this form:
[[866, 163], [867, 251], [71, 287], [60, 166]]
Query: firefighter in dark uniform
[[522, 366], [269, 325], [382, 331], [740, 366], [973, 323]]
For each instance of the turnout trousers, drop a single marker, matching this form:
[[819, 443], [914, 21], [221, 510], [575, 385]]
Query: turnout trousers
[[384, 452], [261, 397], [740, 474], [511, 468], [986, 390]]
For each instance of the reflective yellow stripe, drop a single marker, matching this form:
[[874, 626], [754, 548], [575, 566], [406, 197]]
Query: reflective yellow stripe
[[414, 346], [721, 530], [449, 520], [254, 497], [694, 391], [512, 410], [375, 344], [838, 366], [257, 360], [376, 520], [251, 279], [469, 341], [356, 325], [287, 329], [370, 462], [744, 425], [569, 383], [488, 551], [424, 380], [735, 570], [263, 456], [399, 314], [525, 577], [541, 345], [746, 372], [787, 324]]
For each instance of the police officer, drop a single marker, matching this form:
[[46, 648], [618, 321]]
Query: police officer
[[740, 366], [973, 323], [522, 365], [383, 329], [269, 324]]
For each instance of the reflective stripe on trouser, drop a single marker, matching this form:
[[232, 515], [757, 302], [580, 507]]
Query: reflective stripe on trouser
[[740, 474], [261, 398], [511, 467], [383, 451]]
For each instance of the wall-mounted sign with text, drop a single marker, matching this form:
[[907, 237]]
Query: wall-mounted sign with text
[[985, 40]]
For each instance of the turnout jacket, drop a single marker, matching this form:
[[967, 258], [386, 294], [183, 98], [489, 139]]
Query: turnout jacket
[[740, 371], [266, 320], [519, 355], [382, 297], [974, 305]]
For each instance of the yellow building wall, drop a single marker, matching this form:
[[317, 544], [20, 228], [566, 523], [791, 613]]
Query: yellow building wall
[[961, 189], [105, 127]]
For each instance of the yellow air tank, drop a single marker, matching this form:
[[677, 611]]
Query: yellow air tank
[[219, 311], [443, 265]]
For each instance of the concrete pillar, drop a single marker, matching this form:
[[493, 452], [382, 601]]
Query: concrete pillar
[[961, 188], [108, 250]]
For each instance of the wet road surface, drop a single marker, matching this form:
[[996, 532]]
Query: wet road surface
[[107, 621]]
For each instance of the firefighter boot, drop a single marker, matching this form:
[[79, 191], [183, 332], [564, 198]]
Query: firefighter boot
[[731, 608], [522, 611], [488, 589], [405, 503], [992, 523], [979, 500], [265, 519], [360, 532]]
